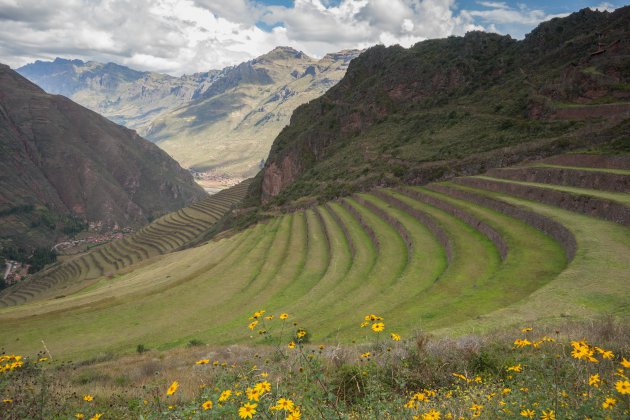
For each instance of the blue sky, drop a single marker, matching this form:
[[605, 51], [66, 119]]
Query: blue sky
[[185, 36]]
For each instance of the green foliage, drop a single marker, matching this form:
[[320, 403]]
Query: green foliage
[[195, 343], [40, 258], [141, 348]]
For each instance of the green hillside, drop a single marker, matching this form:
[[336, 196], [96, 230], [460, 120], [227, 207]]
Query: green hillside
[[65, 168], [451, 257], [457, 106]]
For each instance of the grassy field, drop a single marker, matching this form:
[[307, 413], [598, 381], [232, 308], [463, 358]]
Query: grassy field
[[420, 257]]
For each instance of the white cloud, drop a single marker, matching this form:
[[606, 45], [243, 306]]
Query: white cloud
[[604, 7], [178, 36]]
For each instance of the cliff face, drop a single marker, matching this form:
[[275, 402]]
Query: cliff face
[[417, 114], [63, 161]]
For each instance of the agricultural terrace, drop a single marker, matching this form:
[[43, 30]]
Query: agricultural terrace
[[471, 255], [169, 233]]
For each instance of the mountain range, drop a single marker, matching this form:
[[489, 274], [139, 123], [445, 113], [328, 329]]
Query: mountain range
[[65, 167], [221, 122]]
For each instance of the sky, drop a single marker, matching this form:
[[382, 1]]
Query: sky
[[187, 36]]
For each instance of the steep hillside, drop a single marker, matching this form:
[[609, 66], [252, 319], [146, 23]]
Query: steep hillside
[[456, 106], [219, 122], [63, 164]]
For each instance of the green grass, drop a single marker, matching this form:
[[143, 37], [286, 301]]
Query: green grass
[[321, 266], [595, 282], [623, 198], [582, 168]]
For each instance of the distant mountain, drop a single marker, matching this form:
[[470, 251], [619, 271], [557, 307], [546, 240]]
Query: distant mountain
[[64, 166], [220, 121], [128, 97], [456, 106]]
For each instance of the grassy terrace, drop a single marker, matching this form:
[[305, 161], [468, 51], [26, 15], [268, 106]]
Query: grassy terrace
[[424, 258], [166, 234]]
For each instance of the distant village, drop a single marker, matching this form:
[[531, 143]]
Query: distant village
[[14, 272], [76, 246]]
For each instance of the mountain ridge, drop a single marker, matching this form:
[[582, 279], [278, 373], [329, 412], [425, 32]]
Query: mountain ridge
[[220, 122], [67, 163]]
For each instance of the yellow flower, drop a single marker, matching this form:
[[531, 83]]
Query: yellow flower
[[431, 415], [528, 413], [476, 409], [88, 398], [378, 327], [366, 355], [295, 414], [247, 411], [395, 337], [252, 325], [301, 333], [269, 318], [623, 387], [284, 404], [96, 416], [625, 363], [80, 416], [606, 354], [291, 345], [527, 329], [284, 316], [420, 396], [258, 314], [411, 404], [225, 395], [253, 394], [594, 380], [609, 403], [548, 415], [364, 324], [460, 376], [522, 343], [264, 374], [7, 401], [506, 391], [582, 351], [171, 389], [516, 368], [202, 362], [263, 387], [207, 405]]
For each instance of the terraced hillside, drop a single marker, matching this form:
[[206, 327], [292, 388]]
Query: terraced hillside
[[169, 233], [515, 245]]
